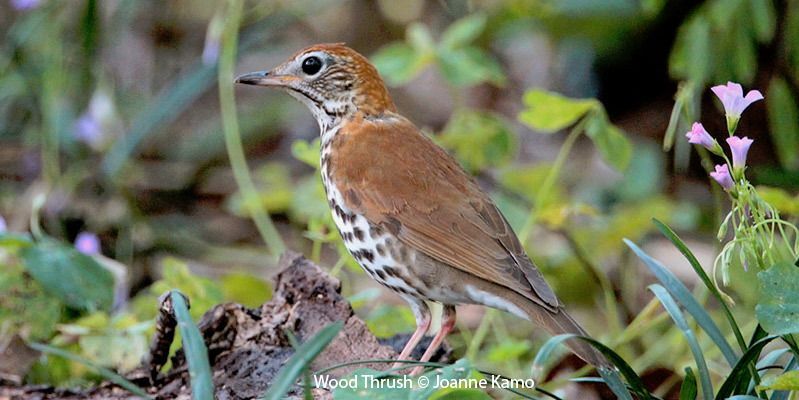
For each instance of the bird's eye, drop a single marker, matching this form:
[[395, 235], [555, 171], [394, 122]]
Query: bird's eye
[[311, 65]]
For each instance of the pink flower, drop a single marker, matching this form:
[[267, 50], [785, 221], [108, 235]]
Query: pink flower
[[3, 227], [722, 176], [87, 243], [739, 147], [698, 135], [733, 99], [24, 5]]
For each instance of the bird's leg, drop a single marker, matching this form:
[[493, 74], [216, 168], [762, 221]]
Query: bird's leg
[[447, 323], [423, 319]]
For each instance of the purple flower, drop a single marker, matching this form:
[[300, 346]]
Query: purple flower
[[3, 226], [734, 101], [87, 243], [722, 176], [739, 147], [88, 129], [25, 5], [698, 135]]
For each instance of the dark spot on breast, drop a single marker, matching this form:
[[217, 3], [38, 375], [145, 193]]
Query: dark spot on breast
[[367, 254], [375, 231], [358, 233], [391, 271], [393, 225], [347, 236], [381, 250], [381, 274]]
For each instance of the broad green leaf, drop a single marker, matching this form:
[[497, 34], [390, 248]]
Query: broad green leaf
[[778, 308], [31, 311], [469, 66], [550, 112], [300, 361], [679, 319], [202, 386], [787, 381], [479, 139], [609, 140], [463, 31], [508, 350], [203, 292], [420, 39], [783, 118], [399, 63], [307, 152], [780, 199], [75, 278]]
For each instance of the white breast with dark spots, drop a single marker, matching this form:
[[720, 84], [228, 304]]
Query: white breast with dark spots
[[380, 254]]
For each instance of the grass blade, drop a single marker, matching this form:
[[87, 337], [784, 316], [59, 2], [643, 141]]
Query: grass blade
[[300, 361], [679, 319], [102, 371], [686, 299], [202, 387], [672, 236], [688, 388], [741, 370], [610, 376]]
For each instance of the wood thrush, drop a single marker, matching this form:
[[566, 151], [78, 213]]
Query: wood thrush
[[408, 213]]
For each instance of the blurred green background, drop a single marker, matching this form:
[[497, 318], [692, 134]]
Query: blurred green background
[[116, 185]]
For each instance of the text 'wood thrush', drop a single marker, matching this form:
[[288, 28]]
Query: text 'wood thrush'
[[408, 213]]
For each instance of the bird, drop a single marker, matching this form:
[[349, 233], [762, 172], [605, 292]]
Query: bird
[[409, 214]]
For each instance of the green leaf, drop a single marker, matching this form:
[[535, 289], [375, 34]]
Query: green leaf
[[689, 56], [679, 319], [479, 139], [245, 289], [307, 152], [669, 234], [301, 359], [550, 112], [683, 295], [386, 321], [688, 389], [469, 66], [202, 386], [783, 118], [764, 20], [29, 310], [75, 278], [463, 31], [104, 372], [778, 308], [740, 372], [780, 199], [609, 140], [787, 381], [398, 63]]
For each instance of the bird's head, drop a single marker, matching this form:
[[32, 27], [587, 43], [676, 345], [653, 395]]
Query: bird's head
[[333, 80]]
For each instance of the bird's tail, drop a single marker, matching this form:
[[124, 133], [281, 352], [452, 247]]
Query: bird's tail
[[560, 322]]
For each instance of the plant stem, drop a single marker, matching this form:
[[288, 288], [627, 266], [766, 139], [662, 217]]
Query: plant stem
[[230, 126], [544, 192]]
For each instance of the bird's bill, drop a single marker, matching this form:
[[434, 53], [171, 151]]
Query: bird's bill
[[264, 78]]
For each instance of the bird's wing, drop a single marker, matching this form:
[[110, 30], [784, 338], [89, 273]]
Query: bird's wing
[[393, 174]]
